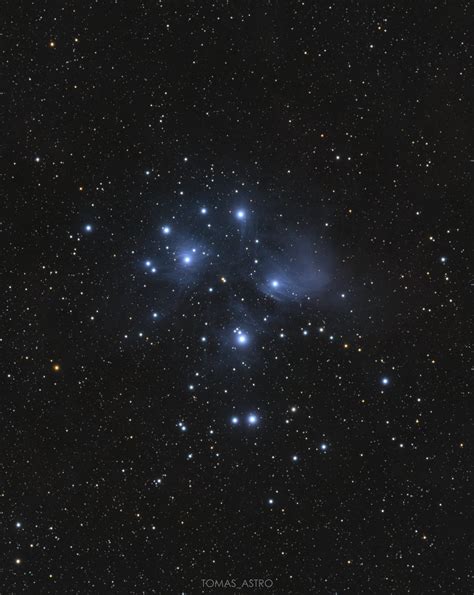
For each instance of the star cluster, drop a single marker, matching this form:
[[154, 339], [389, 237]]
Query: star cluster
[[235, 310]]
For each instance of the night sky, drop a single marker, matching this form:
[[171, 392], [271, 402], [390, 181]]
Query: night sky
[[235, 310]]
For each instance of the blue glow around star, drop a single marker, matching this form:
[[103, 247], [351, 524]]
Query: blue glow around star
[[241, 338], [252, 419]]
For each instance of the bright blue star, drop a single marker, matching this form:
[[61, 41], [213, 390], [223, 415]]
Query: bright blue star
[[166, 229], [148, 263], [324, 447], [385, 381], [88, 228], [275, 283], [235, 420], [203, 211], [252, 419], [240, 214], [241, 338]]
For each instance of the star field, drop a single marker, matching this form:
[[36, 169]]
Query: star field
[[235, 339]]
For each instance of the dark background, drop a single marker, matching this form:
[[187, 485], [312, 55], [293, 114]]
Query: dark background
[[261, 97]]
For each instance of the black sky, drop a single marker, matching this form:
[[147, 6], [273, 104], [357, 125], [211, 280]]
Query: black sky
[[343, 131]]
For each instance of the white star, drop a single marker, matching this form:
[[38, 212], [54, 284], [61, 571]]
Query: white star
[[252, 419]]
